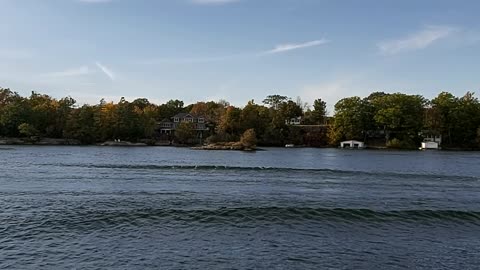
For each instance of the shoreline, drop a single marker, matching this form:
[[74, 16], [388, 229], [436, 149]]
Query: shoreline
[[213, 147]]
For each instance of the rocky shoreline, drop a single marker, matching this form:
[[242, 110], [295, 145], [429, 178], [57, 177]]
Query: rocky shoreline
[[59, 142], [121, 143], [38, 141], [233, 146]]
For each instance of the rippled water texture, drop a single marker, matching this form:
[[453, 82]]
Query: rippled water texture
[[170, 208]]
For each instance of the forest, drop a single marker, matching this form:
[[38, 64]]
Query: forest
[[393, 120]]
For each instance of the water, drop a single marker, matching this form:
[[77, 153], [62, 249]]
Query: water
[[171, 208]]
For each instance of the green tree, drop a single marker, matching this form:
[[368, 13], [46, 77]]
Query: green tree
[[147, 120], [230, 122], [43, 113], [170, 108], [254, 116], [402, 116], [185, 133], [64, 108], [27, 130], [14, 110], [467, 119], [349, 121], [127, 124], [80, 125], [289, 110], [274, 101], [319, 113], [141, 103], [478, 137], [104, 121]]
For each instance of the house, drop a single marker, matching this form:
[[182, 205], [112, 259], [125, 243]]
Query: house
[[430, 145], [352, 144], [433, 138], [431, 141], [294, 121], [168, 126]]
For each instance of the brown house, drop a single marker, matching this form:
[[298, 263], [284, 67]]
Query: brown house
[[167, 127]]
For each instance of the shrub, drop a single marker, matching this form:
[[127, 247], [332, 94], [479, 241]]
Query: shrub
[[249, 138], [401, 144], [185, 133], [27, 130], [218, 138]]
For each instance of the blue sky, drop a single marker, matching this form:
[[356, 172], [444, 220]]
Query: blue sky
[[238, 50]]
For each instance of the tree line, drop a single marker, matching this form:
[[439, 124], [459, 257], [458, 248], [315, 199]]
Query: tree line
[[402, 121], [396, 120], [40, 115]]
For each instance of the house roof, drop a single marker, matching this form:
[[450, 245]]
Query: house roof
[[350, 141], [183, 115], [165, 120]]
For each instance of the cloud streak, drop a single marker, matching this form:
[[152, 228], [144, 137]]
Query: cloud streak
[[282, 48], [296, 46], [110, 74], [416, 41]]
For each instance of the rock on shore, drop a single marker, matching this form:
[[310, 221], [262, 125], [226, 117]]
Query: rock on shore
[[122, 143], [37, 141], [236, 146]]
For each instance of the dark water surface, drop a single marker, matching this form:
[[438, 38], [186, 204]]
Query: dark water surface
[[170, 208]]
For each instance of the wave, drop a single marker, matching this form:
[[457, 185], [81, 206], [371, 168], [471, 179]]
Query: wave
[[253, 215], [259, 169], [194, 167]]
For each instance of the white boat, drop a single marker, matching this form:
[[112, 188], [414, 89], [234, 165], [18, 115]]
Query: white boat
[[289, 145]]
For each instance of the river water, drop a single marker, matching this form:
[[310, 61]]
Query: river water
[[174, 208]]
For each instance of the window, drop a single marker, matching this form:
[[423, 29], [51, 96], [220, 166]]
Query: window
[[201, 120], [176, 119]]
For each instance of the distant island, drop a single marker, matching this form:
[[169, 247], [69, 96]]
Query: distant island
[[380, 120]]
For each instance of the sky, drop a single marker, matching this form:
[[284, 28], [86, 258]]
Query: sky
[[238, 50]]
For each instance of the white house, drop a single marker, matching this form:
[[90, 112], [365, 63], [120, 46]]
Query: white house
[[431, 142], [294, 121], [430, 145], [352, 144], [433, 138]]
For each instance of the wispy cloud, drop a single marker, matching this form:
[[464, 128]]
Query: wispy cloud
[[295, 46], [73, 72], [416, 41], [213, 2], [110, 74], [282, 48], [80, 71]]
